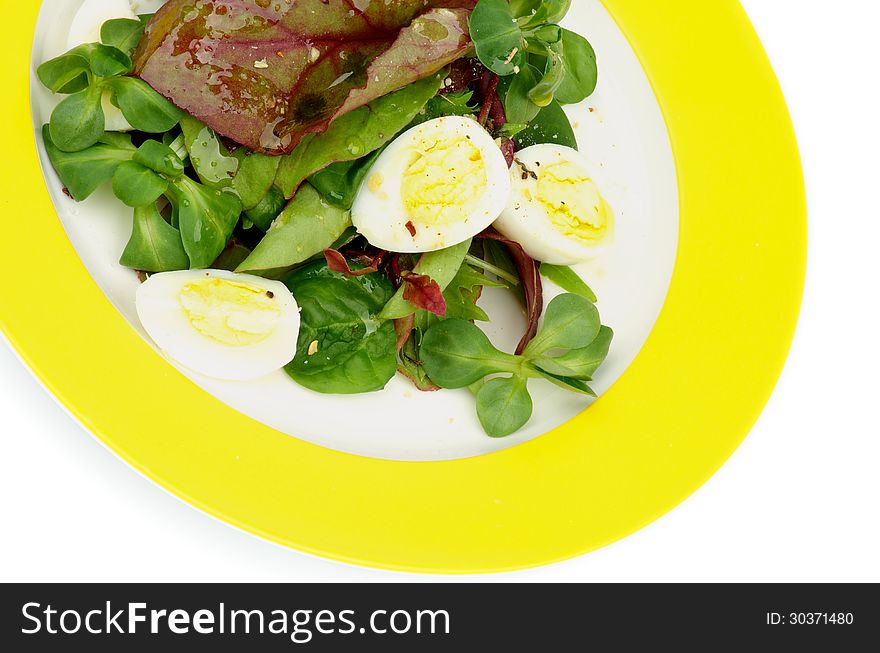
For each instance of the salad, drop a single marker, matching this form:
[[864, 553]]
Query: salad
[[328, 187]]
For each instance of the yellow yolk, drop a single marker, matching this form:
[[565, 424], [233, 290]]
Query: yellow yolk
[[445, 182], [573, 203], [228, 312]]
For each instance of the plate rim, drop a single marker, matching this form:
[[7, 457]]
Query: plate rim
[[664, 428]]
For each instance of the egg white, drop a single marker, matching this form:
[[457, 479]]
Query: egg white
[[379, 211], [526, 221], [86, 28], [164, 318]]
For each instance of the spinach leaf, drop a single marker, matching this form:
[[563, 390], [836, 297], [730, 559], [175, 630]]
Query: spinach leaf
[[551, 125], [571, 322], [231, 258], [255, 176], [307, 227], [343, 348], [206, 218], [458, 103], [504, 406], [136, 185], [356, 134], [441, 266], [155, 245], [84, 171], [268, 209], [339, 182], [457, 354], [568, 280], [582, 73], [78, 121], [144, 108]]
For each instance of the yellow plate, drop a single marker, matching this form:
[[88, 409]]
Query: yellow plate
[[654, 438]]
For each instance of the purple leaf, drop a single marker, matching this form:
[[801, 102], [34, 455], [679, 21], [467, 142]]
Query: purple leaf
[[267, 73]]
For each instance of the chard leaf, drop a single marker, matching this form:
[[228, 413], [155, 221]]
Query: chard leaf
[[266, 74], [343, 348], [356, 134], [155, 245], [307, 227], [84, 171]]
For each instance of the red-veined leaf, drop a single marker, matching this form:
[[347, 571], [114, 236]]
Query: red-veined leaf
[[423, 292]]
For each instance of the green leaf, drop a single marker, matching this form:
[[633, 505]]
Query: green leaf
[[355, 134], [583, 363], [568, 280], [515, 91], [497, 37], [160, 158], [339, 182], [107, 61], [464, 291], [136, 185], [441, 266], [255, 176], [550, 126], [343, 348], [213, 163], [567, 383], [84, 171], [78, 122], [68, 73], [231, 258], [553, 77], [206, 218], [458, 103], [155, 245], [268, 209], [570, 322], [552, 11], [307, 227], [504, 406], [582, 73], [122, 33], [457, 354], [144, 108]]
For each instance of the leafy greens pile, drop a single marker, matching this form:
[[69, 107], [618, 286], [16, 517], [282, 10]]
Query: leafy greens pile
[[254, 125]]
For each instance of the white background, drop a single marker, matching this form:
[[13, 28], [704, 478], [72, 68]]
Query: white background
[[799, 501]]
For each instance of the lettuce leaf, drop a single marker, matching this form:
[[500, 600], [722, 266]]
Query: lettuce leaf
[[266, 74]]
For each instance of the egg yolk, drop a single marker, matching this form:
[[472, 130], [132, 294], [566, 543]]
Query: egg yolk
[[573, 203], [444, 182], [229, 312]]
